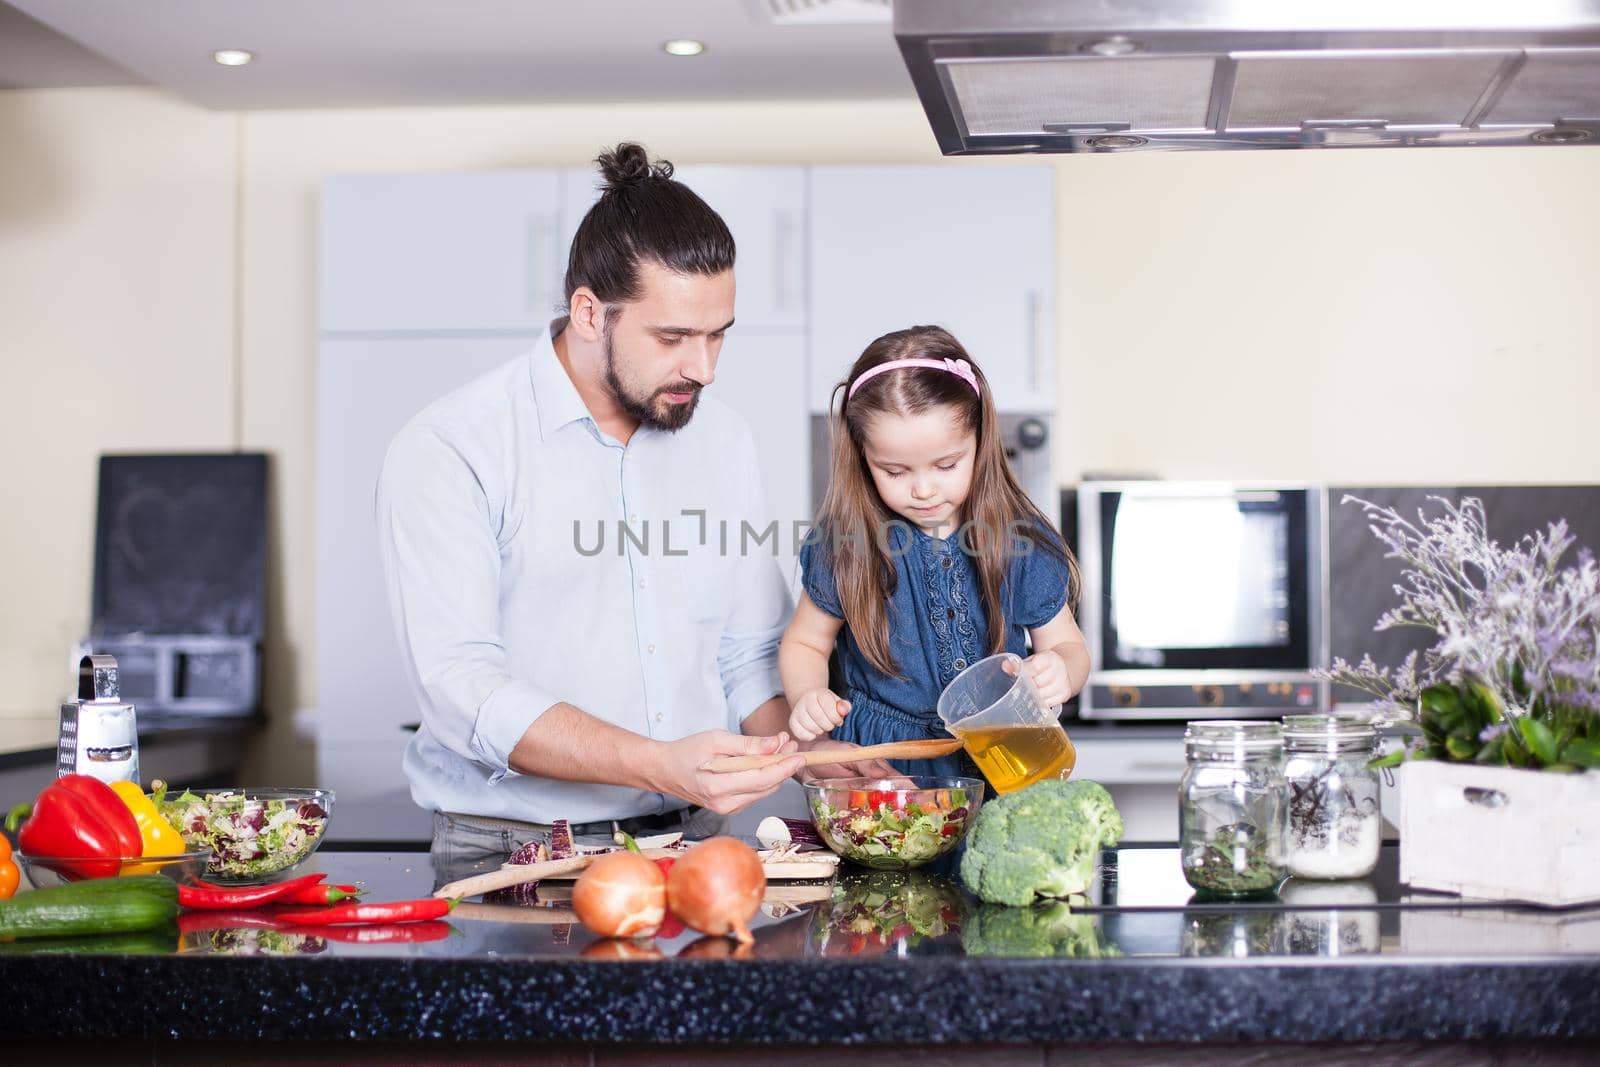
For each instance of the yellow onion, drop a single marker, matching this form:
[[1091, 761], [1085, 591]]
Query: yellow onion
[[621, 894], [716, 887]]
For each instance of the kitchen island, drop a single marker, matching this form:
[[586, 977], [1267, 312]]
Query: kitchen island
[[1343, 970]]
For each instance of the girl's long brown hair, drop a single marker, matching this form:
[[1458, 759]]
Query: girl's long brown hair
[[854, 520]]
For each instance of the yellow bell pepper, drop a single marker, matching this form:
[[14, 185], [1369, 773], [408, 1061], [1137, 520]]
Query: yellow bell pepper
[[158, 835]]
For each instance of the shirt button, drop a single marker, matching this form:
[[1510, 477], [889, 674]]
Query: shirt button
[[949, 613], [641, 583], [649, 648], [658, 716], [945, 563], [961, 664]]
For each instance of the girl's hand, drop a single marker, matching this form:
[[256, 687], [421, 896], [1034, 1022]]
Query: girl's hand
[[1048, 672], [816, 713]]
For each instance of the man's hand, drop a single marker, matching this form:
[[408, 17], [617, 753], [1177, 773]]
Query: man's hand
[[1048, 672], [846, 767], [725, 792], [816, 713]]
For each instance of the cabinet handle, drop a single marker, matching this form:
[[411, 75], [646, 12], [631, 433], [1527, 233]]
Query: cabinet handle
[[783, 236], [1034, 306], [538, 287]]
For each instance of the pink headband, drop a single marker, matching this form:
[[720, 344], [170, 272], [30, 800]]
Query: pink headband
[[959, 367]]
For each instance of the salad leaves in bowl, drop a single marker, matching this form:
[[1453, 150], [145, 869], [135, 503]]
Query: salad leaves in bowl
[[252, 835], [894, 823]]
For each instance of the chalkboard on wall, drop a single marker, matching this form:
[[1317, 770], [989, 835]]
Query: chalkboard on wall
[[180, 545], [1361, 581]]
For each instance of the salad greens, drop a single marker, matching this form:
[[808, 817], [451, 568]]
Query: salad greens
[[892, 829], [249, 837]]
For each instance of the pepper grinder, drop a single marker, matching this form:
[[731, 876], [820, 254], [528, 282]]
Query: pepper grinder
[[98, 735]]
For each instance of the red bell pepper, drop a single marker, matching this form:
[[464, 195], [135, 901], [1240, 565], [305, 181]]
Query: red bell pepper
[[78, 817]]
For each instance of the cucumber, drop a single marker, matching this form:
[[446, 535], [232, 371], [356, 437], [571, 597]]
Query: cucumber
[[95, 906], [160, 941]]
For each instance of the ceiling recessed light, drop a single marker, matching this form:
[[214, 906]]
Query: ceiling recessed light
[[232, 57], [683, 47]]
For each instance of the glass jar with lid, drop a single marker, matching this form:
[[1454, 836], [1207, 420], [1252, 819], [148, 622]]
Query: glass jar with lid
[[1232, 810], [1334, 823]]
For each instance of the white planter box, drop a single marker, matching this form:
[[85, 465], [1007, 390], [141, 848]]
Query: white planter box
[[1499, 833]]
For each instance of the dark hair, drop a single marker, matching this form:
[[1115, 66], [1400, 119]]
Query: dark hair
[[643, 214], [997, 510]]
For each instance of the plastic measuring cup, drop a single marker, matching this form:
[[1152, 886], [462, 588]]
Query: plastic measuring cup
[[1010, 734]]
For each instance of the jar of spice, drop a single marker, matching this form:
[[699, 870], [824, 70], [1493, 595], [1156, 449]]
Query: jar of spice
[[1231, 808], [1334, 824]]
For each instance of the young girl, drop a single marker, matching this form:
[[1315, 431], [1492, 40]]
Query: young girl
[[927, 556]]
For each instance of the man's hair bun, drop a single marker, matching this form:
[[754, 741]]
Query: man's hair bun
[[629, 164]]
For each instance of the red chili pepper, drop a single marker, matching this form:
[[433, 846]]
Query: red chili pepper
[[406, 933], [317, 893], [208, 898], [78, 817], [399, 911]]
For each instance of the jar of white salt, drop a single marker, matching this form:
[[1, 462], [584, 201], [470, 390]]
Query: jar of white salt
[[1334, 823]]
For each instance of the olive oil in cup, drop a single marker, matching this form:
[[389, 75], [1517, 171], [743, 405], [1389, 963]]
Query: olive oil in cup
[[1012, 737], [1015, 756]]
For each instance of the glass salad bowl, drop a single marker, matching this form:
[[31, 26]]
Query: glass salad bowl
[[43, 872], [894, 823], [252, 835]]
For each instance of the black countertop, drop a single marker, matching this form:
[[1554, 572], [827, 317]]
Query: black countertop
[[871, 959]]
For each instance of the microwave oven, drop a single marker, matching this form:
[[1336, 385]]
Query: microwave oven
[[1202, 599]]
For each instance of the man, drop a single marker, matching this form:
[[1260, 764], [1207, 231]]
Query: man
[[561, 680]]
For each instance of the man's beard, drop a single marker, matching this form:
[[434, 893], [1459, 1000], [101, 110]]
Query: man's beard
[[646, 412]]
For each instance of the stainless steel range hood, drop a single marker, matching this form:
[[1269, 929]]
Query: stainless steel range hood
[[1131, 75]]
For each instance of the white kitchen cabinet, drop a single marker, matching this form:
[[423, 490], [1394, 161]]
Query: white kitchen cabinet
[[765, 209], [762, 375], [366, 390], [441, 252], [970, 248]]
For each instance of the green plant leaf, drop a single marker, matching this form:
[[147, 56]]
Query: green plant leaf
[[1460, 748], [1481, 704], [1541, 742], [1440, 700], [1583, 752], [1388, 759]]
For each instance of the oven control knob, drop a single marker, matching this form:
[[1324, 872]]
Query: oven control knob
[[1032, 434]]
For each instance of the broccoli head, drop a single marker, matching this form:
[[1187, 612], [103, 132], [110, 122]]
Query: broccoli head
[[1050, 929], [1041, 841]]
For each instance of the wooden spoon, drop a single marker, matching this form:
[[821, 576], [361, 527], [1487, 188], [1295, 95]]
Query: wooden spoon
[[891, 750]]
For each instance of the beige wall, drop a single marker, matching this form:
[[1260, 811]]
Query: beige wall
[[1381, 316], [117, 229]]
